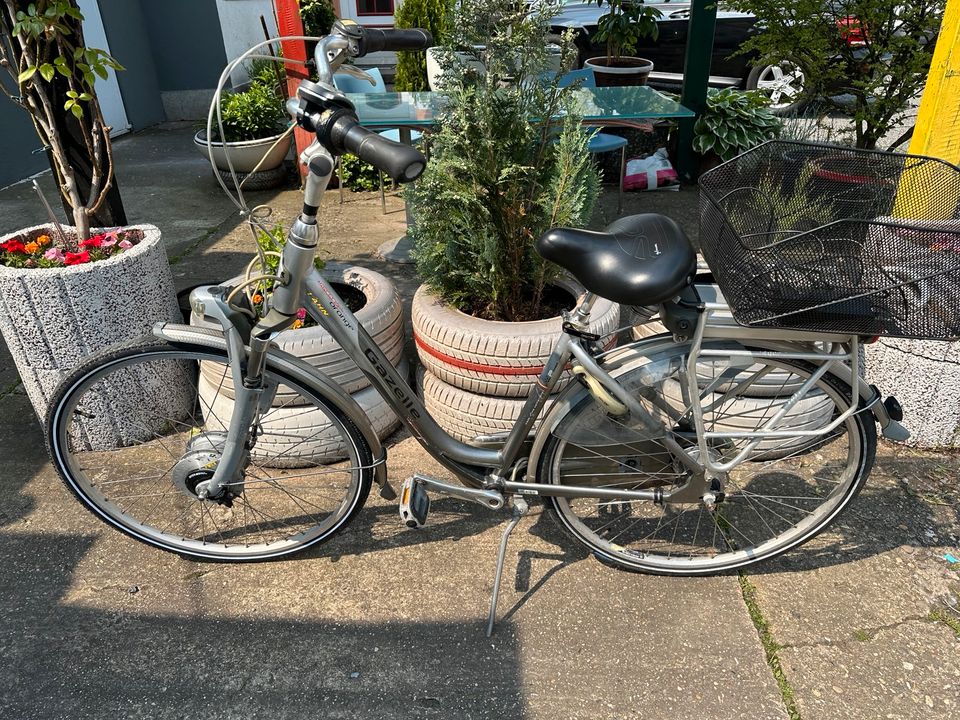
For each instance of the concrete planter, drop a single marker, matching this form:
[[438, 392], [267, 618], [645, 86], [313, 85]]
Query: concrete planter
[[925, 377], [55, 318], [247, 154]]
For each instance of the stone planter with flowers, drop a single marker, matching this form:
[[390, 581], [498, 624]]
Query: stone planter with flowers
[[63, 303], [69, 292]]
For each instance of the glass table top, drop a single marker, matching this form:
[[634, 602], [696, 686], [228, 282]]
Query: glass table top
[[602, 105]]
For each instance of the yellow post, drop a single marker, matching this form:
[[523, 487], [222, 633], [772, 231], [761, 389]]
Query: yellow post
[[937, 132], [938, 122]]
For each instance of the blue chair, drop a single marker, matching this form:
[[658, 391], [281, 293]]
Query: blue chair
[[601, 142], [350, 84]]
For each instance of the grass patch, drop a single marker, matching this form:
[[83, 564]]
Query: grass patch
[[951, 621], [862, 635], [771, 648], [9, 389]]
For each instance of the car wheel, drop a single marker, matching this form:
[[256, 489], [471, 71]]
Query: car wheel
[[782, 83]]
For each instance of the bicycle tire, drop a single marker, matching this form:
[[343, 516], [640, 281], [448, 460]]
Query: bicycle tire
[[137, 408], [620, 533]]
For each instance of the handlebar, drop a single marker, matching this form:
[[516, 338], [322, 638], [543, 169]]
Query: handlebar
[[325, 111], [375, 39], [403, 163]]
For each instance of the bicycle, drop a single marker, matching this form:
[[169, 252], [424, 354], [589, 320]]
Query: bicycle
[[710, 448]]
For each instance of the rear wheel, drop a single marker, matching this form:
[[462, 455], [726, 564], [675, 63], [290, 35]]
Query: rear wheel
[[787, 490], [131, 436]]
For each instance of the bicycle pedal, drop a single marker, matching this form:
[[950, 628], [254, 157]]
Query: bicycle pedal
[[414, 503]]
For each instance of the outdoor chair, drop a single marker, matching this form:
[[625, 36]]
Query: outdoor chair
[[350, 84], [601, 142]]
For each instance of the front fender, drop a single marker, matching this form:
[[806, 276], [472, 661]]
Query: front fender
[[298, 369]]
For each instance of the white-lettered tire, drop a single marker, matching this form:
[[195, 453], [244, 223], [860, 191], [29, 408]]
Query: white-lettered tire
[[500, 359], [381, 316]]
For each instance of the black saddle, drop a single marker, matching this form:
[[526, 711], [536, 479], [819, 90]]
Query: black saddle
[[638, 260]]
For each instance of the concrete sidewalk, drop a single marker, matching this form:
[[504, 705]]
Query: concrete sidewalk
[[385, 622]]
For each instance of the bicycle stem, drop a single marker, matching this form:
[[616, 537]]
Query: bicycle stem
[[252, 397]]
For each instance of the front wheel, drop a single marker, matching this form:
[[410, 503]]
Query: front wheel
[[788, 489], [133, 433]]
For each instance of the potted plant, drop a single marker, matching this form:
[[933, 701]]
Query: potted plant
[[732, 122], [256, 140], [488, 312], [622, 28], [70, 291]]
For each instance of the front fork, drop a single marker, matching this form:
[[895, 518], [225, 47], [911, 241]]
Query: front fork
[[253, 396]]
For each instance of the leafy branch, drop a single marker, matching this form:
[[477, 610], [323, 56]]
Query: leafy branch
[[43, 56]]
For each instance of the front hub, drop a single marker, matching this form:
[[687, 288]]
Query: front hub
[[198, 465]]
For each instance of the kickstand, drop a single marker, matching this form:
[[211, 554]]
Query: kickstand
[[520, 508]]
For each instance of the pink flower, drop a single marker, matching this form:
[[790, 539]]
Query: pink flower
[[109, 239], [54, 254], [302, 314], [125, 244]]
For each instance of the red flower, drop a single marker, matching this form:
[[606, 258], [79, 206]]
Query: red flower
[[13, 246], [76, 258], [94, 242]]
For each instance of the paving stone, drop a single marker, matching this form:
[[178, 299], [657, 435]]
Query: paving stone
[[909, 671]]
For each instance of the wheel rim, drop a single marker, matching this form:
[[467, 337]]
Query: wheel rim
[[791, 487], [133, 438], [783, 84]]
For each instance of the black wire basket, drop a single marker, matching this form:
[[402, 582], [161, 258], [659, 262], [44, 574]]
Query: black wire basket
[[832, 239]]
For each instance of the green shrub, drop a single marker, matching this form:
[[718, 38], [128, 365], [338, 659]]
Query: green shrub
[[252, 114], [879, 54], [734, 121], [430, 15], [358, 175], [318, 17], [497, 178]]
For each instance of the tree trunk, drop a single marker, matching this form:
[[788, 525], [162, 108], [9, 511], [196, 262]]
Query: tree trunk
[[111, 212]]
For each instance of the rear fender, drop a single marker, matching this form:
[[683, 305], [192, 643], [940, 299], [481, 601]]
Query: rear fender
[[622, 359]]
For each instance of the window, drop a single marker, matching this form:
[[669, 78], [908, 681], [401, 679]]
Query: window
[[374, 7]]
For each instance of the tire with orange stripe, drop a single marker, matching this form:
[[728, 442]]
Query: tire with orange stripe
[[467, 415], [501, 359]]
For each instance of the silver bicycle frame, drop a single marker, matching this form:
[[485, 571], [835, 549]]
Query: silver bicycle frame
[[843, 350]]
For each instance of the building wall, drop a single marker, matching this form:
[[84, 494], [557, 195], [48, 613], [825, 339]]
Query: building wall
[[187, 46], [241, 28], [126, 30], [18, 140]]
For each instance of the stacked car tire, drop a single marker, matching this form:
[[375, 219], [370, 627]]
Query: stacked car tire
[[381, 315], [477, 373]]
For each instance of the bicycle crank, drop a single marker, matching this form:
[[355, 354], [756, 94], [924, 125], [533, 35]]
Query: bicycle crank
[[414, 503]]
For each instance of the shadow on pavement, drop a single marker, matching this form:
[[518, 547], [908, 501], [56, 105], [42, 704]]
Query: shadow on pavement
[[24, 453], [67, 661]]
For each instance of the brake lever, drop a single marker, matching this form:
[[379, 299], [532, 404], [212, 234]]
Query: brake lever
[[354, 71]]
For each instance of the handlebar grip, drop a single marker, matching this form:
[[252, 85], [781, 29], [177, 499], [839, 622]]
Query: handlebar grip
[[376, 39], [402, 163]]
